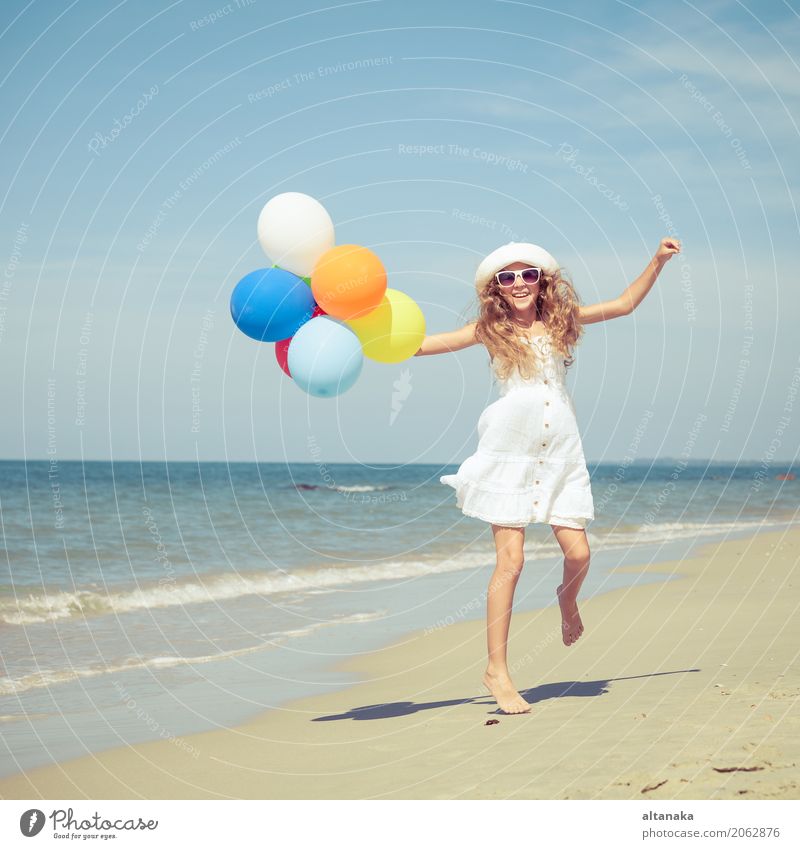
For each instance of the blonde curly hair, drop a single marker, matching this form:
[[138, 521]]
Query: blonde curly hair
[[557, 305]]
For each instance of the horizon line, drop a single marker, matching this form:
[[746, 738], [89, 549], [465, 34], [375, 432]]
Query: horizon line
[[195, 461]]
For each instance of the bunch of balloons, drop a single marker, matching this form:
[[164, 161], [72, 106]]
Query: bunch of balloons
[[325, 306]]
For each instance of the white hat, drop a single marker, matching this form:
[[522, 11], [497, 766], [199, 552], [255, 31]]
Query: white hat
[[513, 252]]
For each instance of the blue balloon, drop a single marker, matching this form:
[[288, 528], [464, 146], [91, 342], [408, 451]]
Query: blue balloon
[[325, 357], [270, 304]]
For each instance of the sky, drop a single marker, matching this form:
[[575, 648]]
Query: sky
[[142, 139]]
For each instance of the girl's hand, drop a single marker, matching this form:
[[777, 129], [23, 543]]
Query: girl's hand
[[668, 248]]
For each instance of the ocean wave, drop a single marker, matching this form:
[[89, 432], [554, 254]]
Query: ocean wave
[[50, 677], [80, 603], [648, 534], [342, 488], [214, 588]]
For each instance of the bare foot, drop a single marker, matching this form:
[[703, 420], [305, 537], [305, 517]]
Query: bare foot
[[571, 625], [505, 694]]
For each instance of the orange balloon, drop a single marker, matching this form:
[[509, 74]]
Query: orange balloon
[[348, 281]]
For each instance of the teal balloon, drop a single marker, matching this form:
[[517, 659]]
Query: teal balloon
[[270, 304], [325, 357]]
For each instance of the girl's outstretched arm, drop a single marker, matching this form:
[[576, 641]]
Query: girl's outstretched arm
[[627, 302], [452, 340]]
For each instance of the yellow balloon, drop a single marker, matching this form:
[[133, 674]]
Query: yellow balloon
[[393, 331]]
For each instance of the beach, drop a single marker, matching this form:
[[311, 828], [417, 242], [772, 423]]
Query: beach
[[680, 689]]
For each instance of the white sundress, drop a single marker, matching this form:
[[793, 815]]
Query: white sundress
[[529, 465]]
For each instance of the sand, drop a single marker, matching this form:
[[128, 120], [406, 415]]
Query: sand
[[670, 683]]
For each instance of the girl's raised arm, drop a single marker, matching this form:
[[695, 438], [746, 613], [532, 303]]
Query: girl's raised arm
[[627, 302], [452, 340]]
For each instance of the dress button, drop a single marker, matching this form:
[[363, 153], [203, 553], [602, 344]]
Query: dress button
[[537, 481], [535, 503], [544, 445], [546, 425], [545, 381], [547, 403]]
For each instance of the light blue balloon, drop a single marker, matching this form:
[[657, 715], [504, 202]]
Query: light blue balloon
[[325, 357]]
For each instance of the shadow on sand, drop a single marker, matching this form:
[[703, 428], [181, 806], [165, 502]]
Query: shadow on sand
[[532, 695]]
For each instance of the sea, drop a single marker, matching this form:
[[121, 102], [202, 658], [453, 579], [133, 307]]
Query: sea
[[143, 601]]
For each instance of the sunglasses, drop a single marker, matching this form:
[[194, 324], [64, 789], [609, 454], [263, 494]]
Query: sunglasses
[[528, 275]]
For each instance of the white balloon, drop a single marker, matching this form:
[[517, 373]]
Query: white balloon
[[295, 230]]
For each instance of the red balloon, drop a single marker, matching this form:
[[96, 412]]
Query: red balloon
[[281, 353], [282, 347]]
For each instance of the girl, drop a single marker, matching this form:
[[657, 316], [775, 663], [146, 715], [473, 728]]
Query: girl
[[529, 464]]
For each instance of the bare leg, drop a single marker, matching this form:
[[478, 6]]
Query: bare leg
[[575, 546], [509, 544]]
